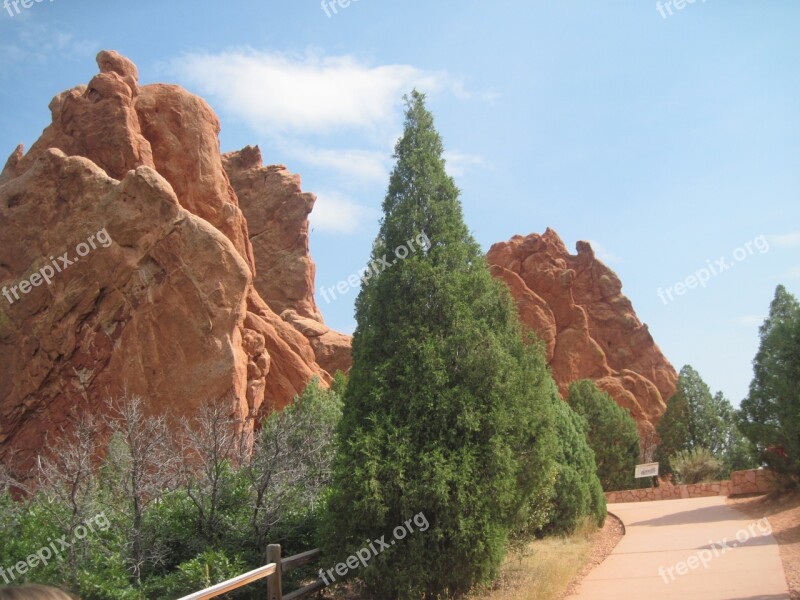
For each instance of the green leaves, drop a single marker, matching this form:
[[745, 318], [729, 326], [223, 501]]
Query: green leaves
[[611, 433], [770, 415], [696, 419], [446, 411]]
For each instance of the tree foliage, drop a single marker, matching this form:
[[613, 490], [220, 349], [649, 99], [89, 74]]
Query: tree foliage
[[611, 433], [578, 492], [175, 517], [770, 415], [696, 419], [447, 411]]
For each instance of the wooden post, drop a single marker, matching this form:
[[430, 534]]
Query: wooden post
[[275, 581]]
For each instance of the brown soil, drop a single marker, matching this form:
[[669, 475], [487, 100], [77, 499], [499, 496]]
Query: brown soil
[[783, 513]]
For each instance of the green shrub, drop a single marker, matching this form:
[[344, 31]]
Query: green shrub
[[695, 466], [611, 433], [578, 493], [203, 571]]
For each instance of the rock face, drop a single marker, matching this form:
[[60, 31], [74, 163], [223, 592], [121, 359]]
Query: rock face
[[590, 330], [157, 291], [277, 212]]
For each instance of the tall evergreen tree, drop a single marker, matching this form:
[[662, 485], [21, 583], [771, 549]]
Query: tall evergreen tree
[[611, 433], [696, 419], [770, 415], [446, 411]]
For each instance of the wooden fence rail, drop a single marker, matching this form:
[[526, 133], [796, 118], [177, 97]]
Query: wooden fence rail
[[233, 584], [273, 571]]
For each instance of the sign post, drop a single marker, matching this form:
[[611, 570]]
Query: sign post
[[647, 470]]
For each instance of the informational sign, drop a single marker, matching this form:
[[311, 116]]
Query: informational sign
[[646, 470]]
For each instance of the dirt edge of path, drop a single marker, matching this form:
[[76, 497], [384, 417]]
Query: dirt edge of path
[[783, 513], [603, 542]]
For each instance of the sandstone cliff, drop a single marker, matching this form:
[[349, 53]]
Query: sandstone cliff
[[589, 328], [171, 306]]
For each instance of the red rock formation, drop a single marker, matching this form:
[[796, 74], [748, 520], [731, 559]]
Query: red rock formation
[[590, 330], [167, 308], [277, 212]]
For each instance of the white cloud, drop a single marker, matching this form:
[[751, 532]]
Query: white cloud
[[785, 240], [39, 43], [367, 166], [601, 252], [457, 164], [276, 92], [793, 272], [751, 320], [336, 213]]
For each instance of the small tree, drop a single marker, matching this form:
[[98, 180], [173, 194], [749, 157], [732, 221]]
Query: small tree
[[65, 477], [141, 464], [770, 415], [211, 443], [611, 433], [290, 467]]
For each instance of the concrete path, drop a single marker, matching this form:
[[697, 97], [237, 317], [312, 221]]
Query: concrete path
[[688, 549]]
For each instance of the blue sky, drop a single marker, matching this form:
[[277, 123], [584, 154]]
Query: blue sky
[[667, 142]]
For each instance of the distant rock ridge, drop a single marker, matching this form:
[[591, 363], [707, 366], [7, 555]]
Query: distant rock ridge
[[589, 328], [199, 295]]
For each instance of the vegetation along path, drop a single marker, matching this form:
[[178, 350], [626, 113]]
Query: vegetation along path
[[695, 548]]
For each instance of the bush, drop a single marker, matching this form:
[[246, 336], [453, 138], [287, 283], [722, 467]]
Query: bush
[[695, 466], [611, 433], [203, 571], [210, 524], [578, 493]]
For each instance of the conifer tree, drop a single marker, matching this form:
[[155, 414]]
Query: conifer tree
[[770, 415], [611, 433], [446, 410]]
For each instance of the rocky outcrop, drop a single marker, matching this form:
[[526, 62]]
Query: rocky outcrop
[[589, 328], [277, 212], [126, 264]]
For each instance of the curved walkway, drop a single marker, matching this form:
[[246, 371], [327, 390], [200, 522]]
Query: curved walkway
[[698, 548]]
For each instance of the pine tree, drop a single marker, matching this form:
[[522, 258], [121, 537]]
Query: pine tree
[[770, 415], [446, 410], [611, 433], [696, 419]]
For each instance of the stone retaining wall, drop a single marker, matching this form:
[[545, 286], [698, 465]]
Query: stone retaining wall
[[741, 482]]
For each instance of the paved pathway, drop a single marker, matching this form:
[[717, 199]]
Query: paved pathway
[[688, 549]]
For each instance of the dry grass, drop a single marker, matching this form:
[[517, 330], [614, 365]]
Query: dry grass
[[543, 569]]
